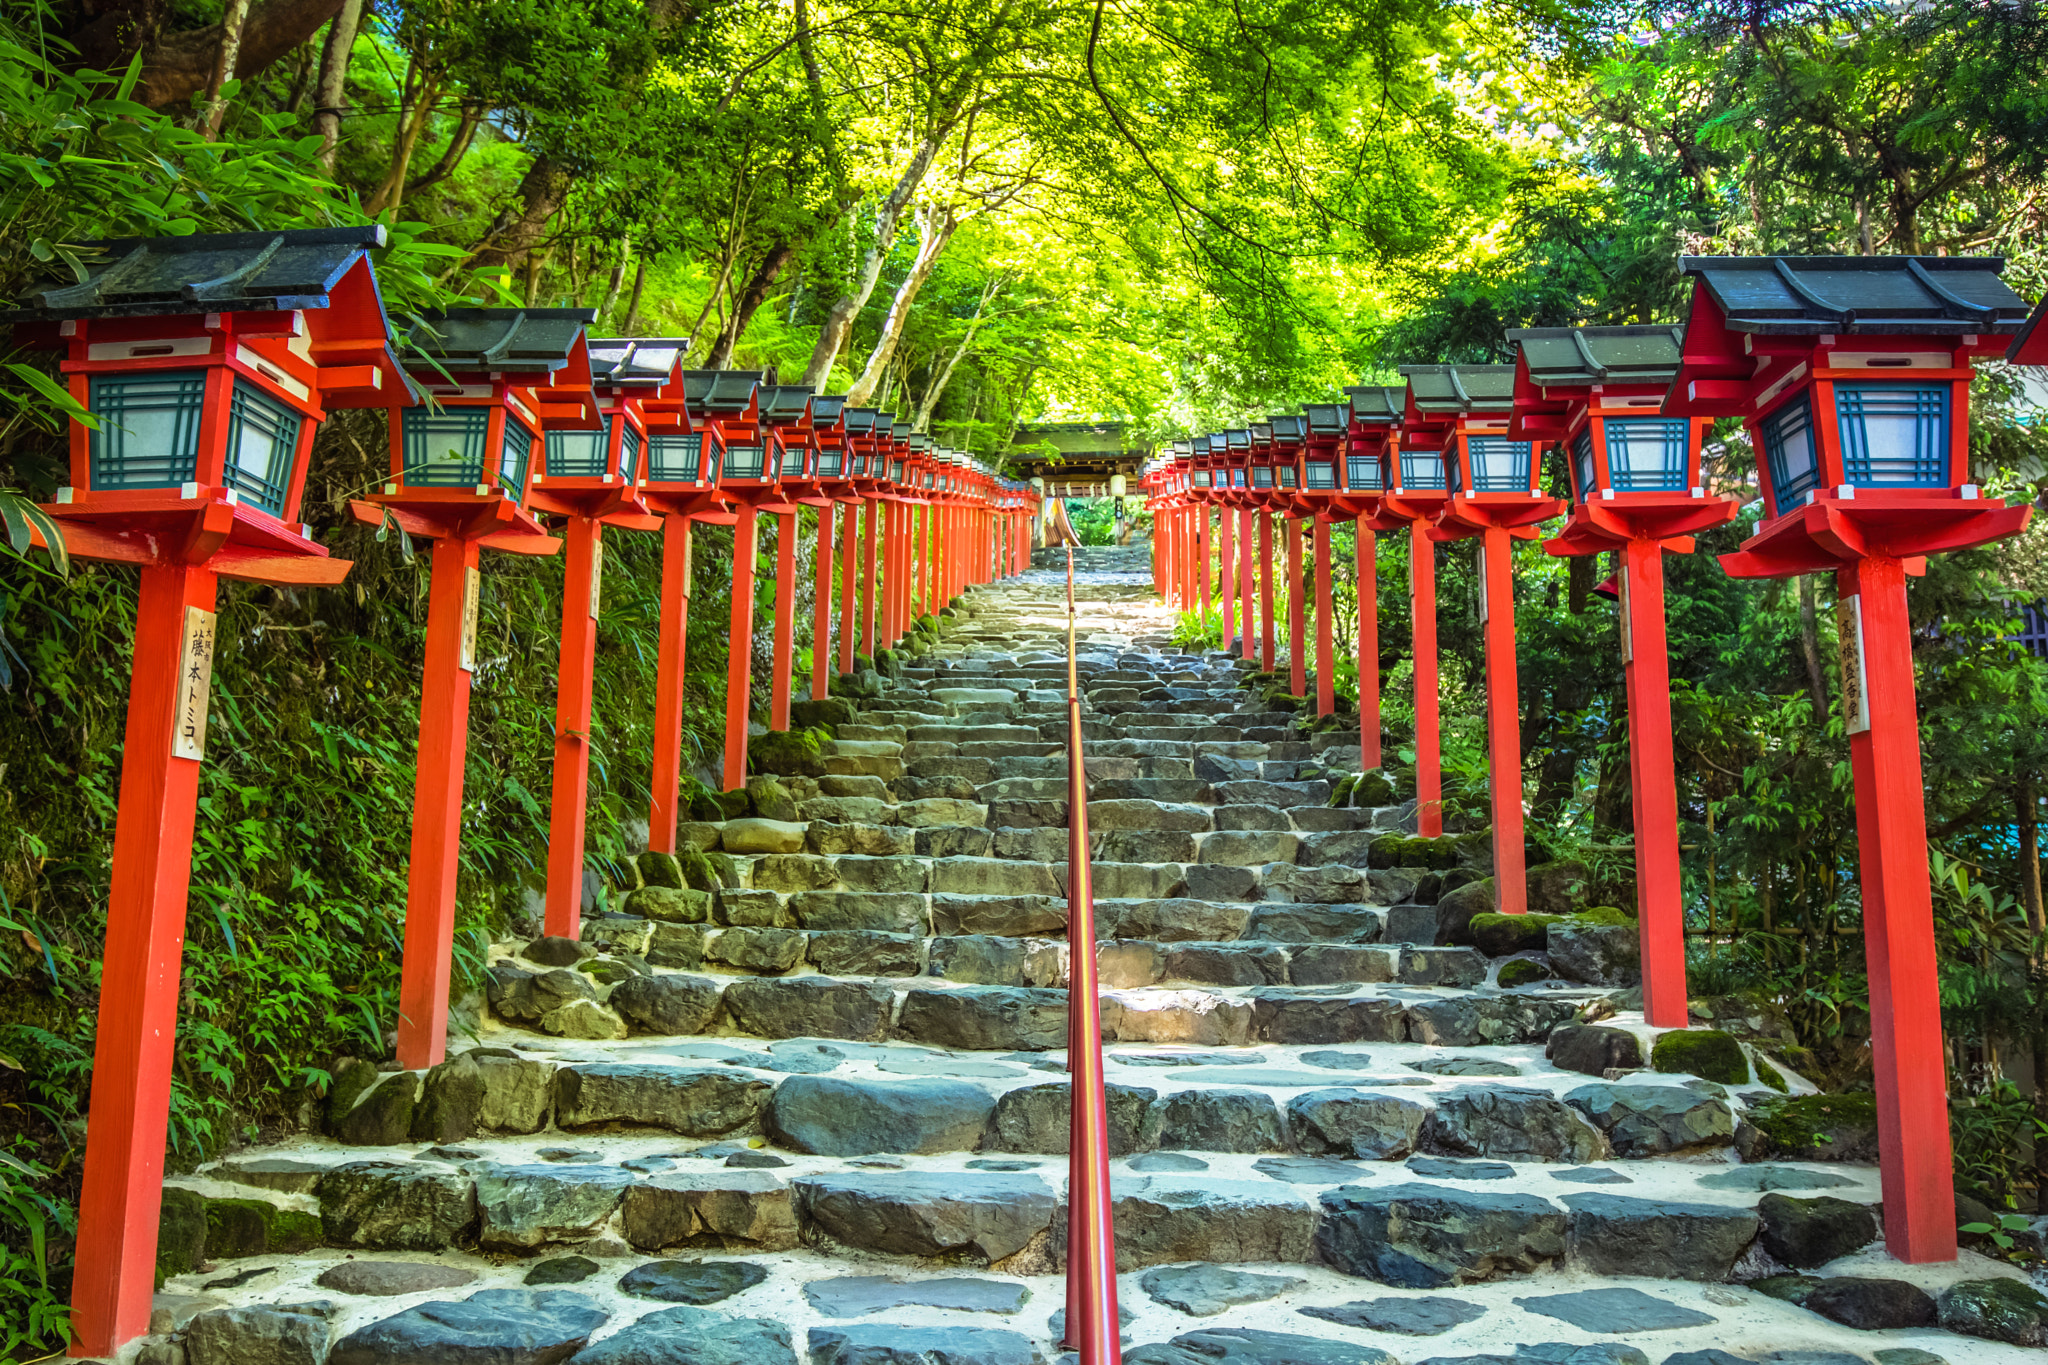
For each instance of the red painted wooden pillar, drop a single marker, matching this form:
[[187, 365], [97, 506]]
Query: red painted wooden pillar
[[670, 647], [1503, 720], [849, 584], [867, 584], [894, 536], [739, 668], [584, 549], [121, 1201], [1368, 648], [1646, 667], [1297, 612], [1247, 586], [1226, 587], [1429, 804], [437, 811], [1914, 1160], [1203, 555], [1267, 628], [1326, 625], [821, 611], [785, 620]]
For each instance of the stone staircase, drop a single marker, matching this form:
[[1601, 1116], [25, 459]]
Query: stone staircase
[[801, 1092]]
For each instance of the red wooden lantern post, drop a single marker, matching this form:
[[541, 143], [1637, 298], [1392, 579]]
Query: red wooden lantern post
[[1372, 421], [749, 480], [1211, 475], [1494, 496], [793, 415], [867, 447], [208, 362], [835, 487], [1636, 489], [1321, 496], [1413, 467], [1202, 492], [461, 476], [589, 479], [678, 483], [1278, 455], [1851, 375]]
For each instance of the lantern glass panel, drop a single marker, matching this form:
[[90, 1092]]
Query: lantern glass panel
[[579, 454], [1200, 477], [828, 463], [629, 452], [445, 449], [793, 460], [263, 435], [517, 458], [1237, 478], [149, 428], [1647, 453], [1288, 476], [1498, 464], [1894, 436], [1262, 476], [1322, 473], [1422, 469], [676, 458], [746, 462], [1789, 449], [1582, 460], [1362, 471], [896, 473]]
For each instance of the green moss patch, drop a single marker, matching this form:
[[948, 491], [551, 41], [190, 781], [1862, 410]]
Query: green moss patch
[[1707, 1053], [256, 1227], [785, 753], [1816, 1121], [1523, 971], [1506, 935]]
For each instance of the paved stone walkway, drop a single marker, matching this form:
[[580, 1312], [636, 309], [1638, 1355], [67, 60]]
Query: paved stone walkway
[[802, 1092]]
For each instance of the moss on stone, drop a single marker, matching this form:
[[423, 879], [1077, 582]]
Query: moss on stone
[[181, 1232], [1602, 914], [704, 806], [1341, 794], [1707, 1053], [1505, 935], [698, 871], [352, 1077], [256, 1227], [1522, 971], [1769, 1074], [1811, 1121], [659, 869], [1374, 788], [785, 753]]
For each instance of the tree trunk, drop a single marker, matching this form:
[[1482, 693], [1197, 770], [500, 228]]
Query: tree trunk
[[935, 228], [521, 225], [923, 420], [332, 95], [839, 317], [752, 294], [1579, 582], [458, 147], [228, 53], [177, 66], [633, 299], [616, 282], [412, 117]]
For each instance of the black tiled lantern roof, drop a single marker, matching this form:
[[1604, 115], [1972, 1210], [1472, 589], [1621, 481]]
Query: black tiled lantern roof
[[860, 421], [785, 404], [899, 431], [1377, 402], [1600, 355], [218, 272], [515, 339], [826, 409], [1447, 389], [1872, 295], [636, 361], [720, 393], [1288, 427]]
